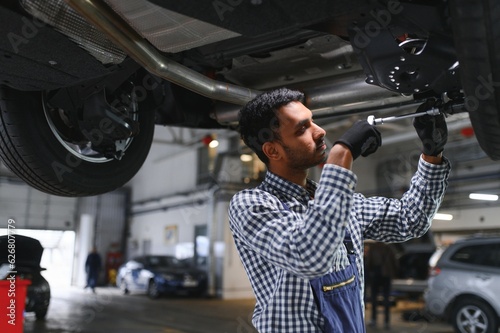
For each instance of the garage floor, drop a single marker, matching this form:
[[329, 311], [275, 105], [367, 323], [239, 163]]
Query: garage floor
[[75, 310]]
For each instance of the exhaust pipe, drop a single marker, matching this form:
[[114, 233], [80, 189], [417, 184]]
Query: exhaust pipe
[[120, 33], [324, 97]]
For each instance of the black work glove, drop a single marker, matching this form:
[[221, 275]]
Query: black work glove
[[361, 139], [432, 130]]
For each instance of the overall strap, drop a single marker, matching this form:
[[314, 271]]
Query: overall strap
[[348, 243]]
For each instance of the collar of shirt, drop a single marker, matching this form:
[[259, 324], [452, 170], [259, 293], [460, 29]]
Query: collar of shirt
[[278, 185]]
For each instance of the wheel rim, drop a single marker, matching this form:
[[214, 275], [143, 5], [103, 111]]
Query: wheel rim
[[471, 319], [84, 151], [123, 286]]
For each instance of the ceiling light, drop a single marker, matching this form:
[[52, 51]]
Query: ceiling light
[[482, 196], [213, 144], [246, 157], [443, 217]]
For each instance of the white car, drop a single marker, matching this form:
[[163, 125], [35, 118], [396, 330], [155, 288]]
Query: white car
[[464, 285]]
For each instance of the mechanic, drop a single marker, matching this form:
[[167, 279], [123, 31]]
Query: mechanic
[[301, 242]]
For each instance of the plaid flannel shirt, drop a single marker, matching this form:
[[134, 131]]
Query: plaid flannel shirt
[[284, 238]]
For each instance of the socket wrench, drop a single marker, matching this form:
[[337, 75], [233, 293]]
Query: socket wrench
[[379, 121], [451, 107]]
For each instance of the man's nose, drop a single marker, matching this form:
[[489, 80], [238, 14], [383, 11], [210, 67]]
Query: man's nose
[[319, 132]]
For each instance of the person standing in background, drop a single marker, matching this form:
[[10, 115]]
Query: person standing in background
[[92, 268], [381, 266]]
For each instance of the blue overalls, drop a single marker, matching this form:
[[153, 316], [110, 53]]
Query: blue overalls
[[338, 297]]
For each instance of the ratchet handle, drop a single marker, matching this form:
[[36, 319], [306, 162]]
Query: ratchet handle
[[379, 121], [451, 107]]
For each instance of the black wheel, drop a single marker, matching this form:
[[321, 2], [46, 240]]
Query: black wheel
[[153, 292], [476, 26], [124, 287], [474, 316], [41, 314], [33, 144]]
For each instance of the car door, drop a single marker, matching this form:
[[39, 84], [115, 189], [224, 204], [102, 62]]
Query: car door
[[480, 273]]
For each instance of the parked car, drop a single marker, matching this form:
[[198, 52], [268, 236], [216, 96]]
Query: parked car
[[28, 253], [158, 274], [464, 285], [83, 83]]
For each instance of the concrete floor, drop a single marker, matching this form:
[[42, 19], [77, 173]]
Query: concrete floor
[[108, 311]]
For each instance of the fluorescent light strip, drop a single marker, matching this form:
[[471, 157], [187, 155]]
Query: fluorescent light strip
[[443, 217], [482, 196]]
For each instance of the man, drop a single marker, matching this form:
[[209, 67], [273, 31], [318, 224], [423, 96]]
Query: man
[[382, 266], [290, 231], [93, 265]]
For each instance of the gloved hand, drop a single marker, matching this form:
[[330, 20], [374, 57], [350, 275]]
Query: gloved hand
[[361, 139], [432, 130]]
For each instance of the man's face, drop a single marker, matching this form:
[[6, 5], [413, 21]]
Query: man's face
[[301, 139]]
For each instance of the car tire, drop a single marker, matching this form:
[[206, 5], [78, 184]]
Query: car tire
[[153, 292], [124, 287], [41, 314], [30, 149], [476, 26], [473, 315]]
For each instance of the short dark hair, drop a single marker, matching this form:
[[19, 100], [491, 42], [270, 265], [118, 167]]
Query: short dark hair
[[258, 119]]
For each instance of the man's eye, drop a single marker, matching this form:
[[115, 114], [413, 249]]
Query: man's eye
[[302, 130]]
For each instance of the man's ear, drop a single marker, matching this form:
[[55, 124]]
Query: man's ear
[[271, 151]]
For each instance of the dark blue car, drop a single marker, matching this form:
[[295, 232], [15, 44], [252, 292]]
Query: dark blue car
[[158, 274]]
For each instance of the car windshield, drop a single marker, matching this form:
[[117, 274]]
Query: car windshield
[[165, 261]]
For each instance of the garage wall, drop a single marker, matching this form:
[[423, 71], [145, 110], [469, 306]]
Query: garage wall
[[169, 232], [32, 209], [471, 220], [169, 168]]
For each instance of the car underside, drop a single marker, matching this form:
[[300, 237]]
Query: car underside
[[101, 74]]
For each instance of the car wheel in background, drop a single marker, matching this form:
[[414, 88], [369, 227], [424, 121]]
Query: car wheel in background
[[471, 315], [124, 287], [153, 292], [40, 314]]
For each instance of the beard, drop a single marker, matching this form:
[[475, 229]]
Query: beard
[[303, 160]]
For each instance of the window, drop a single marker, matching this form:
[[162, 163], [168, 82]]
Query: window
[[482, 255]]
